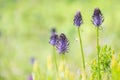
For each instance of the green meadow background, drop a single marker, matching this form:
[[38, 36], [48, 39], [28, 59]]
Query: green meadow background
[[25, 31]]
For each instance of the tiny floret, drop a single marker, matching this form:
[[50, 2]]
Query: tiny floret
[[53, 31], [30, 77]]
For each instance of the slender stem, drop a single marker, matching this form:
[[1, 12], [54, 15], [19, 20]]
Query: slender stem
[[55, 58], [98, 51], [81, 48], [63, 59]]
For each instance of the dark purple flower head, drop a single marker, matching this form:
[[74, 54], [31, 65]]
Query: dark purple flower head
[[97, 17], [78, 19], [62, 44], [54, 37]]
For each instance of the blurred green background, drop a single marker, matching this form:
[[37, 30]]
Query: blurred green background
[[25, 31]]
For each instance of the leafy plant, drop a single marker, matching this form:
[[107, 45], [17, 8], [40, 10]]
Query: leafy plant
[[105, 62]]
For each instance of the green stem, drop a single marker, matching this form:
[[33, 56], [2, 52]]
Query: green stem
[[63, 59], [98, 51], [55, 58], [81, 48]]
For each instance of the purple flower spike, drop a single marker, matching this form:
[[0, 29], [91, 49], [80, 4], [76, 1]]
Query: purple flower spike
[[78, 19], [62, 44], [97, 17], [53, 38]]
